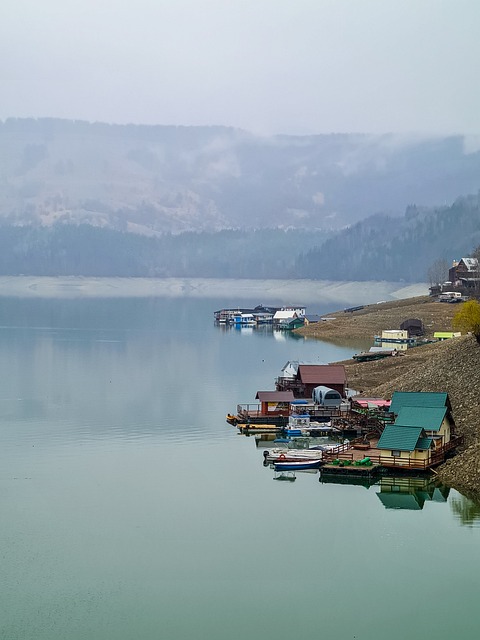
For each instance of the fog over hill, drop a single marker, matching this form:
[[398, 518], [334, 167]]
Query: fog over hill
[[156, 179]]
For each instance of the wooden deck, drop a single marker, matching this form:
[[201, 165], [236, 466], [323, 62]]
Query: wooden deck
[[349, 453]]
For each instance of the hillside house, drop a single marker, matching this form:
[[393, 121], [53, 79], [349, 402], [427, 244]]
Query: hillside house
[[465, 273]]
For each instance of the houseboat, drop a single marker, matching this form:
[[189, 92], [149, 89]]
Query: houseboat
[[420, 437], [396, 336], [245, 317]]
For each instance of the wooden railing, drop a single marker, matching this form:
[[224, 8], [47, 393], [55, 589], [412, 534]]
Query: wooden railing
[[344, 452], [252, 410]]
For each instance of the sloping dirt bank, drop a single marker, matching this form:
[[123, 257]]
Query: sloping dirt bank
[[373, 318], [452, 366]]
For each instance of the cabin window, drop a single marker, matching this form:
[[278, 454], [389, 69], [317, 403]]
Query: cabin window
[[396, 453]]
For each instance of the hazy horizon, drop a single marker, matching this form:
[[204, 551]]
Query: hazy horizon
[[268, 67]]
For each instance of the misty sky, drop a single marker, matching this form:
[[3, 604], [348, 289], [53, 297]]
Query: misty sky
[[268, 66]]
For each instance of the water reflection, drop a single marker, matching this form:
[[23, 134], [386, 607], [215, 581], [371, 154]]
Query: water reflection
[[354, 481], [265, 330], [405, 492], [410, 493], [466, 511]]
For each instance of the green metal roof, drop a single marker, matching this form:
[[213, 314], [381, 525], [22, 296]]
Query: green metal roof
[[424, 444], [401, 501], [429, 418], [401, 438], [417, 399]]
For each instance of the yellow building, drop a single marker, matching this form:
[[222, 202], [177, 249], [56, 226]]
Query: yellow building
[[419, 431]]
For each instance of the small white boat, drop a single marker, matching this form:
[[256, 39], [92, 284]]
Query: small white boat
[[297, 465], [282, 455]]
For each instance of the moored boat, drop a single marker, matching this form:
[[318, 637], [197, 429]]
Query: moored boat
[[297, 465], [286, 455]]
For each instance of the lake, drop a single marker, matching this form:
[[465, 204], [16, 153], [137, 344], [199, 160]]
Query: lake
[[131, 509]]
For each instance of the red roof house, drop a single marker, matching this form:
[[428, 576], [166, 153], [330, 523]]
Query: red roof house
[[310, 376]]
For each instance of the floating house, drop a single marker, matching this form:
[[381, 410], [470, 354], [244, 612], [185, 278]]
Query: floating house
[[406, 444], [434, 420], [275, 402], [332, 376], [294, 323], [286, 315], [245, 317], [243, 320], [423, 428], [397, 336], [309, 376], [420, 438], [419, 399]]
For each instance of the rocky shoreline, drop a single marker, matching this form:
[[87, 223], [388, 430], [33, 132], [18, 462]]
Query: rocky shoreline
[[452, 366]]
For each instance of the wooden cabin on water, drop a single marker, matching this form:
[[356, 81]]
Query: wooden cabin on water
[[421, 436], [309, 376], [275, 403]]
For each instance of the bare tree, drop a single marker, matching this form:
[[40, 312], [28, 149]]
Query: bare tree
[[438, 272], [476, 272]]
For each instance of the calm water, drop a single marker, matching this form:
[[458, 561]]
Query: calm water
[[130, 509]]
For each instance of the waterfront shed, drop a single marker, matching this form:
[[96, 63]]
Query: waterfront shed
[[275, 402], [413, 326], [294, 323]]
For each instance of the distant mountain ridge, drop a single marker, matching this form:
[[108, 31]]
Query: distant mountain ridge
[[153, 180], [381, 247]]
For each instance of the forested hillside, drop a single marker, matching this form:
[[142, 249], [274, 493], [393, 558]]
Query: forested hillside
[[160, 179], [386, 248], [378, 248], [93, 251]]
